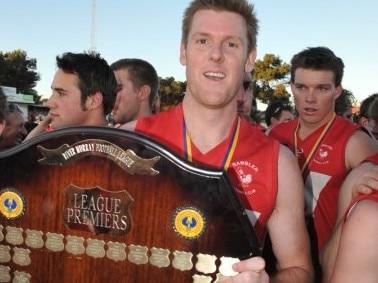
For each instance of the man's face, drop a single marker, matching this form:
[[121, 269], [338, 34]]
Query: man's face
[[127, 103], [314, 95], [14, 131], [65, 101], [216, 57]]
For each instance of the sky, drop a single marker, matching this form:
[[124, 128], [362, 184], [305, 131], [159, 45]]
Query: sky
[[151, 30]]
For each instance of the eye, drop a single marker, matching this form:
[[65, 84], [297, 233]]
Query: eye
[[232, 44], [324, 88], [202, 41]]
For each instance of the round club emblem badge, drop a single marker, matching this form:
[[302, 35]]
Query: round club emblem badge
[[12, 203], [188, 222]]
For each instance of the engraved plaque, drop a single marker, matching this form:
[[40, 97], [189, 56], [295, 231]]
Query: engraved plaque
[[225, 267], [97, 210], [116, 251], [54, 242], [182, 260], [159, 257], [34, 239], [14, 235], [201, 279], [138, 254], [5, 255], [1, 233], [206, 263], [218, 278], [21, 256], [95, 248], [4, 273], [75, 245], [21, 277]]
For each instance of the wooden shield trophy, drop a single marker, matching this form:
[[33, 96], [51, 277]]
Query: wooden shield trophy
[[95, 204]]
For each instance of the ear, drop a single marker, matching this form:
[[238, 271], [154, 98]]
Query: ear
[[251, 58], [94, 101], [273, 121], [338, 91], [144, 92], [183, 54], [364, 121]]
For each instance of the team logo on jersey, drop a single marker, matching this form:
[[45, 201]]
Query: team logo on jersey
[[322, 154], [12, 203], [245, 170]]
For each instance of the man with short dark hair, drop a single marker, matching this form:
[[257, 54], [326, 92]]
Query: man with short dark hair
[[84, 89], [137, 90]]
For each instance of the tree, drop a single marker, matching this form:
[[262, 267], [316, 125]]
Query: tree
[[271, 77], [19, 71], [171, 92]]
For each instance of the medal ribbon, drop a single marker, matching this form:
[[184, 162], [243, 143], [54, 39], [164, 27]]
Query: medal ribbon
[[315, 146], [230, 149]]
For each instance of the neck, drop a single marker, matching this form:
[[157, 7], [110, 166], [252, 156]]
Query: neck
[[305, 128], [208, 127]]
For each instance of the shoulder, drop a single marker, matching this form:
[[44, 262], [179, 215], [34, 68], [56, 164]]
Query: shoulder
[[283, 128]]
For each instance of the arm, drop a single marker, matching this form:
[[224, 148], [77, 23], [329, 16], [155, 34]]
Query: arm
[[343, 239], [287, 227], [40, 128], [287, 231]]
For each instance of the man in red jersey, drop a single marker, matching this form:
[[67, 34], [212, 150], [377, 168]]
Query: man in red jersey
[[218, 46], [327, 146]]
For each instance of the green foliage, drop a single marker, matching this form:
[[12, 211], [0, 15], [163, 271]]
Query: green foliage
[[171, 92], [271, 77], [19, 71]]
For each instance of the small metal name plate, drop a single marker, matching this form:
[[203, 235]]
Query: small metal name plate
[[201, 279], [14, 235], [54, 242], [138, 254], [206, 263], [5, 255], [159, 257], [34, 239], [21, 256], [182, 260], [75, 245], [225, 267], [5, 273], [127, 160], [21, 277], [95, 248], [116, 251], [97, 210]]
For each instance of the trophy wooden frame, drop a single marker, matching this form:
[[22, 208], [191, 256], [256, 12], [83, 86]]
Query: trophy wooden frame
[[95, 204]]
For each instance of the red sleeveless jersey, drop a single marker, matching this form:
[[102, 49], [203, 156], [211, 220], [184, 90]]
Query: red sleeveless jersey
[[252, 169], [325, 171]]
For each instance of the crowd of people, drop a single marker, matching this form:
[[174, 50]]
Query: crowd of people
[[313, 172]]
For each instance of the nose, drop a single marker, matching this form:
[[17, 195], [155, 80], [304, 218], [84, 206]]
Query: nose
[[50, 102], [310, 95], [216, 54], [23, 130]]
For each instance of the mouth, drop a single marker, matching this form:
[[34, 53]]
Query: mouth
[[215, 75], [310, 110]]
